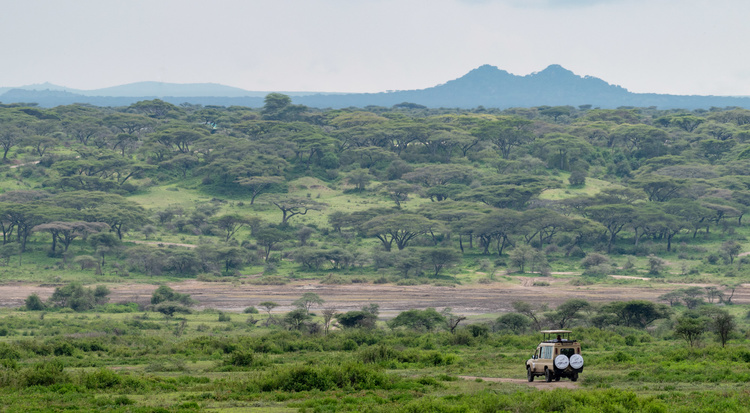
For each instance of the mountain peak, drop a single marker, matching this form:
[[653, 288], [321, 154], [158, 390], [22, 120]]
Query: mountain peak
[[554, 70], [485, 72]]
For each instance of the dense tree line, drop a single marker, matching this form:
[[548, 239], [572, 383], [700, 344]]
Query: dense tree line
[[672, 174]]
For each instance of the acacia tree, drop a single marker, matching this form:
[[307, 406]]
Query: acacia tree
[[690, 328], [567, 312], [293, 205], [530, 311], [636, 313], [614, 217], [723, 324], [506, 133], [427, 319], [307, 301], [400, 228], [65, 232], [268, 238], [269, 306], [440, 258], [259, 184], [230, 224]]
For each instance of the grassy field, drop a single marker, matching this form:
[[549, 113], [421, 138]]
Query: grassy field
[[148, 362]]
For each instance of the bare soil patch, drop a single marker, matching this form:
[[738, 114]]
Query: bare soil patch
[[474, 299], [630, 277], [158, 243], [539, 384]]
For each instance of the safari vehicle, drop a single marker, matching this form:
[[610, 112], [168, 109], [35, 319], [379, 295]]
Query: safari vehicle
[[556, 356]]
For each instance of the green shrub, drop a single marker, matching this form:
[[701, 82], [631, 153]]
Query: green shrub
[[306, 378], [436, 358], [44, 374], [34, 303], [241, 358], [101, 379], [377, 354], [349, 345]]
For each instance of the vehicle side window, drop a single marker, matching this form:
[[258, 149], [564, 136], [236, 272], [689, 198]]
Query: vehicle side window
[[546, 352]]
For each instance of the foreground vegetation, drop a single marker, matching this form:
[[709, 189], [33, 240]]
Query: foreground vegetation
[[77, 351], [145, 361]]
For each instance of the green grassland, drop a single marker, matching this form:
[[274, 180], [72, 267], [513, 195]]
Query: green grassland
[[146, 362]]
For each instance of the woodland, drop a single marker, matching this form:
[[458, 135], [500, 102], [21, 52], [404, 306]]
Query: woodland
[[157, 193]]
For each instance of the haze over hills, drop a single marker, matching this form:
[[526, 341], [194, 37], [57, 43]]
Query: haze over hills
[[484, 86]]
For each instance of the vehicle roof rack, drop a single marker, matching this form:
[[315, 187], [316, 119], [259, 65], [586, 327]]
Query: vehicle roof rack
[[550, 336]]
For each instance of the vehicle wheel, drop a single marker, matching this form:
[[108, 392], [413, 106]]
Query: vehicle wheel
[[529, 374], [557, 378], [547, 375], [574, 377]]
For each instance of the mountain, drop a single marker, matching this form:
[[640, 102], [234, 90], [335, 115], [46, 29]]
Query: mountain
[[491, 87], [484, 86], [172, 89]]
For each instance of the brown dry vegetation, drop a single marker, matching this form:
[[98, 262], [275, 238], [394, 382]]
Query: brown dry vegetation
[[473, 299]]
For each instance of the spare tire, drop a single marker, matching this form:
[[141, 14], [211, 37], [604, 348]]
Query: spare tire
[[562, 362], [576, 361]]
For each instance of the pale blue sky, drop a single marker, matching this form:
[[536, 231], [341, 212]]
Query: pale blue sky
[[661, 46]]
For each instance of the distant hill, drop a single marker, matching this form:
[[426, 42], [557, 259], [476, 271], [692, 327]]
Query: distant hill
[[484, 86]]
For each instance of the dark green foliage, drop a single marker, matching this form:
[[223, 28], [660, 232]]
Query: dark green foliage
[[164, 293], [636, 313], [44, 374], [79, 298], [34, 303], [690, 328], [420, 320], [169, 308], [353, 319], [241, 358], [307, 378], [515, 322], [295, 319], [101, 379]]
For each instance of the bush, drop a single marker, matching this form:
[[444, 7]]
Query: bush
[[250, 310], [34, 303], [78, 298], [307, 378], [241, 358], [165, 293], [44, 374], [377, 354], [101, 379], [169, 308]]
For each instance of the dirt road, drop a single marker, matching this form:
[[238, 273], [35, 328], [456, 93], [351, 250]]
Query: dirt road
[[538, 384]]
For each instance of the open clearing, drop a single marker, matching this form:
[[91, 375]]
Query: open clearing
[[473, 299]]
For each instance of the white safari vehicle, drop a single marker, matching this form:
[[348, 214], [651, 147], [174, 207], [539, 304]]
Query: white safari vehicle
[[556, 356]]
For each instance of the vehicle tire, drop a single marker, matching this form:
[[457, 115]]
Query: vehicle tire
[[562, 362], [529, 374], [557, 378], [574, 377], [576, 361], [548, 375]]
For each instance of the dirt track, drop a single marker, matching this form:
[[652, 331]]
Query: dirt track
[[467, 300], [539, 383]]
